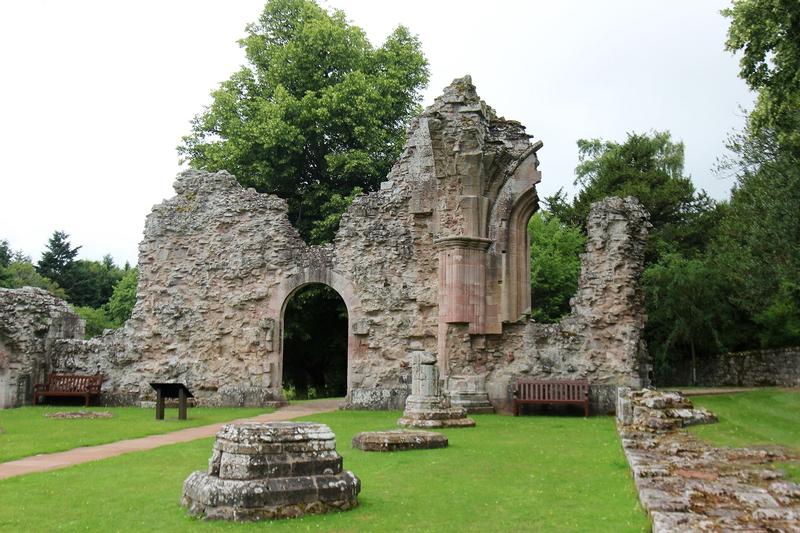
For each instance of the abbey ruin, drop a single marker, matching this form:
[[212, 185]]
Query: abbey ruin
[[437, 260]]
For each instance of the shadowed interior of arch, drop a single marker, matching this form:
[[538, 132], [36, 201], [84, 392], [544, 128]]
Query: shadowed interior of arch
[[315, 344]]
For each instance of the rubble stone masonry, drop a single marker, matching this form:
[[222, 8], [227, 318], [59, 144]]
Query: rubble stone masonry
[[437, 260]]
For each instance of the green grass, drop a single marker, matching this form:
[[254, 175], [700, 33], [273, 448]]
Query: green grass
[[27, 431], [766, 417], [506, 474]]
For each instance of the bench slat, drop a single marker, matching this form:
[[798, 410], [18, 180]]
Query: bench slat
[[551, 391], [69, 385]]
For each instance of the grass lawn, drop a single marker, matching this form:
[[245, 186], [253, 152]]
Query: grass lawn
[[506, 474], [762, 417], [27, 431]]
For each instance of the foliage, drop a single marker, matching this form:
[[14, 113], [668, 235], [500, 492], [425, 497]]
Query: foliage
[[780, 321], [23, 274], [331, 209], [96, 319], [555, 266], [27, 431], [649, 167], [767, 33], [315, 343], [57, 258], [85, 283], [316, 111], [494, 477], [687, 307], [760, 244], [120, 305], [91, 283], [5, 253]]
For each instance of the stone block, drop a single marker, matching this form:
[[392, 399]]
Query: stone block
[[398, 440]]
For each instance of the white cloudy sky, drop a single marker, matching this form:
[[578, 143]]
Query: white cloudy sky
[[95, 95]]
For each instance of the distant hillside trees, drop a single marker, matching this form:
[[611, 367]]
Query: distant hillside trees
[[101, 292]]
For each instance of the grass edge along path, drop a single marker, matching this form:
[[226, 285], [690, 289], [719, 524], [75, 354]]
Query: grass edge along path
[[51, 461], [506, 474], [763, 417], [30, 430]]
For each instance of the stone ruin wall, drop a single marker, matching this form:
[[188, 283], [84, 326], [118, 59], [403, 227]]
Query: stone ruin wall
[[31, 320], [436, 260]]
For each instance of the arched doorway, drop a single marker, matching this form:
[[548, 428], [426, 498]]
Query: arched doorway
[[315, 343]]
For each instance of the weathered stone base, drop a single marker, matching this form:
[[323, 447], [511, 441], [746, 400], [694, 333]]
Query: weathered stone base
[[472, 403], [433, 411], [268, 499], [398, 440], [270, 471], [469, 392], [455, 422]]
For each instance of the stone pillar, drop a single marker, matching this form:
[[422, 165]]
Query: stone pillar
[[427, 407], [462, 281]]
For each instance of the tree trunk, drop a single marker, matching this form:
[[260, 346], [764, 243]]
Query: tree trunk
[[694, 364]]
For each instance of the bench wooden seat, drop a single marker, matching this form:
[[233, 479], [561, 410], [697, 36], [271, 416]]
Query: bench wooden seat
[[527, 391], [69, 385]]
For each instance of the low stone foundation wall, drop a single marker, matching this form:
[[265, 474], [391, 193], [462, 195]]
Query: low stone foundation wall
[[779, 367], [687, 485]]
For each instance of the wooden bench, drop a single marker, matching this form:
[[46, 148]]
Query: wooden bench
[[69, 385], [551, 391]]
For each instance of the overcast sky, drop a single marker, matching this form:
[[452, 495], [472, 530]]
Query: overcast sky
[[95, 96]]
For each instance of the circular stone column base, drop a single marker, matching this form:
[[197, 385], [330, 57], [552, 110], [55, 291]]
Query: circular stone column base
[[268, 499], [436, 422], [398, 440]]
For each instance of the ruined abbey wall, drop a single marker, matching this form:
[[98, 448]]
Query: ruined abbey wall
[[31, 321], [438, 259]]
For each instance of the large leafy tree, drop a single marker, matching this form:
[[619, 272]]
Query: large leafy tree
[[316, 112], [649, 167], [759, 246], [767, 33]]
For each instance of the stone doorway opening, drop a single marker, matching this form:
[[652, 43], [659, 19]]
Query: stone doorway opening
[[315, 343]]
